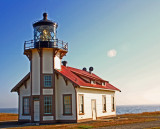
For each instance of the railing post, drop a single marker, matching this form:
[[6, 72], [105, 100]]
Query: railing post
[[24, 45]]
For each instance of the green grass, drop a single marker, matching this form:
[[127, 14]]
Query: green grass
[[85, 127]]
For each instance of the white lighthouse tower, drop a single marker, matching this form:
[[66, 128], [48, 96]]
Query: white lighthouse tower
[[45, 53]]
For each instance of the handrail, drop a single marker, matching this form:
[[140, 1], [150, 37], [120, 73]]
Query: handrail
[[30, 44]]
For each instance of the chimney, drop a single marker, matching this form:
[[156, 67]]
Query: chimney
[[84, 69], [90, 69], [64, 63]]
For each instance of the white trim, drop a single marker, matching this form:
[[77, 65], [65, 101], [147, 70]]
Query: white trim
[[87, 87]]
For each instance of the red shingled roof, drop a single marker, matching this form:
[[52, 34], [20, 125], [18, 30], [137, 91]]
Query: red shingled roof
[[74, 74]]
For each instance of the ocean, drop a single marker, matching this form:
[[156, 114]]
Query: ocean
[[119, 109], [137, 109]]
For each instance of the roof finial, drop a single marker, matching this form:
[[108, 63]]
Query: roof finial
[[45, 16]]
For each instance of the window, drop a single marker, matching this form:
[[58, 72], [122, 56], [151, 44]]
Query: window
[[93, 82], [113, 106], [26, 106], [103, 83], [104, 103], [47, 81], [81, 104], [47, 104], [67, 104]]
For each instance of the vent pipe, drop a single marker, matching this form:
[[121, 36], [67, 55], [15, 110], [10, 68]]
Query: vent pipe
[[90, 69], [84, 69], [64, 63]]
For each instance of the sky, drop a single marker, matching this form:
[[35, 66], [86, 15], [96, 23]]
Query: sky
[[119, 38]]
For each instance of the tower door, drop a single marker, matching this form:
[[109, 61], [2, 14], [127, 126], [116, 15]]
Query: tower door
[[36, 111], [93, 106]]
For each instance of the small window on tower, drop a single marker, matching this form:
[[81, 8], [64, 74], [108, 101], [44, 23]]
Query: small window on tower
[[47, 81], [47, 104]]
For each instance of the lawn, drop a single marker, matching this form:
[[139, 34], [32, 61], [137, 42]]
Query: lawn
[[119, 120]]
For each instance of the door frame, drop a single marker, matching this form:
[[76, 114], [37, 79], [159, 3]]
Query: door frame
[[95, 108], [35, 100]]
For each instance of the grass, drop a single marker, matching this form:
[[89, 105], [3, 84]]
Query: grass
[[119, 120], [85, 127], [8, 117]]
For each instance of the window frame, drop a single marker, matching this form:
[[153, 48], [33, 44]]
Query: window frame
[[113, 103], [26, 97], [64, 104], [104, 97], [51, 105], [81, 95], [47, 80]]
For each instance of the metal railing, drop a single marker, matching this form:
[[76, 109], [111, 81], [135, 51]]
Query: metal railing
[[46, 44]]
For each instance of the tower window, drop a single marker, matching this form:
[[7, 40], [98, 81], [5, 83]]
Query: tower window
[[47, 104], [47, 81], [67, 104], [26, 106]]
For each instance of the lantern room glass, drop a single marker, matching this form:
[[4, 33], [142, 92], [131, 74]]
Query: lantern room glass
[[44, 33]]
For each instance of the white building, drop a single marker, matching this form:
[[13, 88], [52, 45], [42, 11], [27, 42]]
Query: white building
[[52, 92]]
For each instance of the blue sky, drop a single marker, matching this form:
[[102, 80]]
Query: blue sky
[[119, 38]]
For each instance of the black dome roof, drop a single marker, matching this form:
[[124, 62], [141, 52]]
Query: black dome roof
[[45, 21]]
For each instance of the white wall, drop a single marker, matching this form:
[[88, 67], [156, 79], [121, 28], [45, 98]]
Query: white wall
[[61, 89], [24, 92], [35, 72], [57, 61], [47, 61], [90, 94]]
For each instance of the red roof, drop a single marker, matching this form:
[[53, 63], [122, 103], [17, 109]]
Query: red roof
[[74, 75]]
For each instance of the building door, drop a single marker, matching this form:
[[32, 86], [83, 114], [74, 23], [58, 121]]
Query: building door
[[36, 110], [93, 106]]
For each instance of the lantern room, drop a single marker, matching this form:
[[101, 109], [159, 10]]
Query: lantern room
[[45, 30], [45, 36]]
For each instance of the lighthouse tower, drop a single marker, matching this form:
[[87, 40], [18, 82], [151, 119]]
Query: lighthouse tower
[[45, 53]]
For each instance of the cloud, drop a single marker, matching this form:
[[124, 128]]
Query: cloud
[[112, 53]]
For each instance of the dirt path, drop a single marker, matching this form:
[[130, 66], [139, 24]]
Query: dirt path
[[143, 125]]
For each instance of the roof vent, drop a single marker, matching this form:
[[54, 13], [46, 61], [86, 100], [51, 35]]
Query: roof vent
[[90, 69], [84, 69], [64, 63]]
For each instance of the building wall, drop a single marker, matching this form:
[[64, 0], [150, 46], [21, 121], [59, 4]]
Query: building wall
[[57, 61], [47, 60], [24, 92], [90, 94], [61, 89], [35, 72]]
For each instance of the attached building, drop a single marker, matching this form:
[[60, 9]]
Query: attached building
[[52, 92]]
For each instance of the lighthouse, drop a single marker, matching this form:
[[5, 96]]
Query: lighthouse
[[45, 53], [52, 91]]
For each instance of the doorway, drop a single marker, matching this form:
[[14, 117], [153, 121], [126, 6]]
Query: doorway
[[36, 110], [93, 106]]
